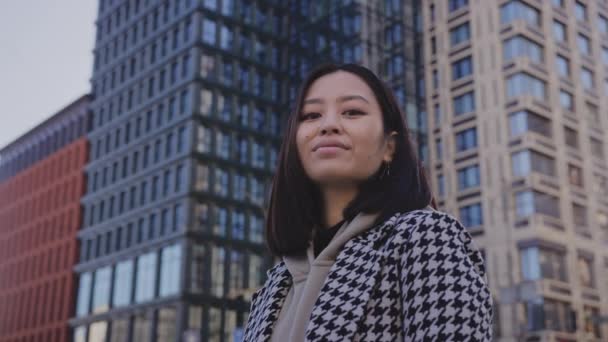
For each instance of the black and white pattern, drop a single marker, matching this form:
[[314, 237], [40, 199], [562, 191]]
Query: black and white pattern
[[416, 277]]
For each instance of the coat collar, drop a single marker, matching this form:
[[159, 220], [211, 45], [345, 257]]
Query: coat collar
[[355, 271]]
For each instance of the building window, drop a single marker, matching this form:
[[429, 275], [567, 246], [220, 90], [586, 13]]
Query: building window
[[517, 10], [603, 24], [239, 186], [98, 331], [558, 3], [256, 229], [529, 202], [580, 11], [471, 215], [84, 294], [525, 121], [209, 31], [575, 175], [597, 148], [222, 144], [435, 79], [197, 268], [580, 220], [527, 161], [523, 84], [466, 140], [543, 263], [460, 34], [464, 103], [468, 177], [584, 44], [563, 66], [258, 154], [221, 222], [202, 178], [462, 68], [224, 107], [123, 283], [166, 326], [80, 334], [257, 191], [438, 149], [208, 69], [141, 326], [566, 100], [441, 185], [238, 225], [237, 272], [221, 182], [204, 140], [571, 137], [170, 270], [217, 262], [146, 277], [587, 78], [592, 327], [226, 38], [455, 5], [520, 46], [257, 271], [101, 290], [559, 32], [179, 217]]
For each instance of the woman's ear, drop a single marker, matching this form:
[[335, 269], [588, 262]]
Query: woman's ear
[[391, 146]]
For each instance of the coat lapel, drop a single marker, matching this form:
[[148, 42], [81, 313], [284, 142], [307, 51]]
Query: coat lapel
[[270, 302], [345, 293], [341, 304]]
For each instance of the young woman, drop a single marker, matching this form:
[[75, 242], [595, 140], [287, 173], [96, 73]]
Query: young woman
[[363, 255]]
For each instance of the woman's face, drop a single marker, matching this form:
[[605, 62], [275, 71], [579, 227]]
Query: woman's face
[[340, 136]]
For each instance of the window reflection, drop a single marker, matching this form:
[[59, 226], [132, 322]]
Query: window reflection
[[170, 270], [141, 327], [84, 294], [80, 334], [98, 331], [101, 289], [123, 283], [237, 273], [146, 277], [257, 271], [218, 256], [197, 268], [215, 324], [120, 328], [166, 327]]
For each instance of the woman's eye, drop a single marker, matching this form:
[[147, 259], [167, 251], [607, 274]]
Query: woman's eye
[[309, 116], [353, 112]]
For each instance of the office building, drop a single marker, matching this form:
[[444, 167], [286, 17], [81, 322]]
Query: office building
[[41, 181], [517, 96], [189, 101]]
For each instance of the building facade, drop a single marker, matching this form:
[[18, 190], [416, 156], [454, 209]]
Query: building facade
[[41, 181], [517, 91], [190, 97]]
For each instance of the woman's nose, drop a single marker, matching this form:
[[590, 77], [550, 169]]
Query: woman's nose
[[330, 124]]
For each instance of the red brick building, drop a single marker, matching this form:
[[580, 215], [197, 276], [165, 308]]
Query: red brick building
[[42, 179]]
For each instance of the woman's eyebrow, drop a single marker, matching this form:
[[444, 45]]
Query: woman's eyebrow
[[340, 99]]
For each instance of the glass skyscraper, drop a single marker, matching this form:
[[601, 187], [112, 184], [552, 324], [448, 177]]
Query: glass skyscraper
[[190, 97]]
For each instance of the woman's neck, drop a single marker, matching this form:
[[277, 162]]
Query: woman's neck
[[335, 200]]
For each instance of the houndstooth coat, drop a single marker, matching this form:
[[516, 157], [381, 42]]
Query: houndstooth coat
[[416, 277]]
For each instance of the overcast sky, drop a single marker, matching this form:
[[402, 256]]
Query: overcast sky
[[46, 59]]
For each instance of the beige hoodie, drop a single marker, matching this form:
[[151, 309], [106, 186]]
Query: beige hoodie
[[309, 276]]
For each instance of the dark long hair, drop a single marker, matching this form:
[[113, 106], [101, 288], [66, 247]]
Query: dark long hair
[[296, 205]]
